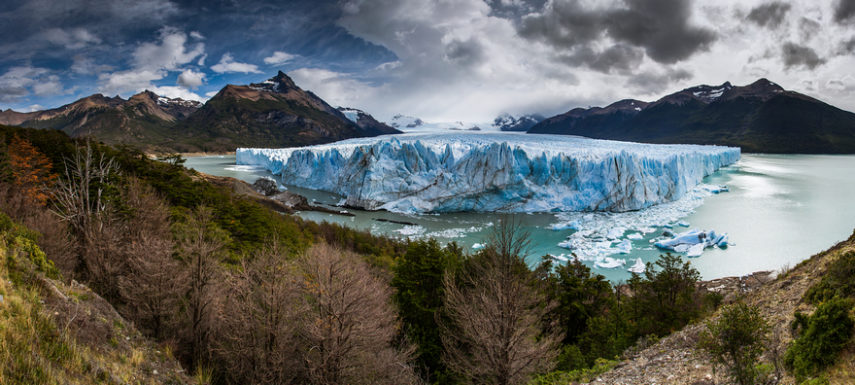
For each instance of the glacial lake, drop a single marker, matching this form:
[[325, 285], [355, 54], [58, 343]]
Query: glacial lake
[[780, 210]]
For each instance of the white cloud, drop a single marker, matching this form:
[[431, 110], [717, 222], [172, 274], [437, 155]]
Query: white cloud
[[334, 87], [15, 83], [278, 57], [35, 107], [123, 82], [49, 86], [190, 79], [75, 38], [86, 66], [463, 60], [169, 53], [176, 92], [228, 64], [196, 35]]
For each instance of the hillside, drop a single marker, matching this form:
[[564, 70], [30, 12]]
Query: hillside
[[274, 113], [675, 360], [52, 332], [760, 117]]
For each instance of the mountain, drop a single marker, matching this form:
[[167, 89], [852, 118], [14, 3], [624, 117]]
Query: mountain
[[367, 123], [507, 122], [759, 117], [143, 119], [273, 113], [403, 122]]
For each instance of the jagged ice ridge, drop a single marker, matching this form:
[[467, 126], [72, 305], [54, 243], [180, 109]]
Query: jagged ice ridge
[[490, 172]]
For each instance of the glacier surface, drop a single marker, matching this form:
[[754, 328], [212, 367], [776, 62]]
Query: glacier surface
[[494, 172]]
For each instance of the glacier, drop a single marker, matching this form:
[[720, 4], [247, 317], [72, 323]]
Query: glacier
[[493, 172]]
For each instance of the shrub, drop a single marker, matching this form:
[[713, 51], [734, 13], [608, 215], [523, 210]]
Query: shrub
[[821, 337], [838, 280], [736, 341]]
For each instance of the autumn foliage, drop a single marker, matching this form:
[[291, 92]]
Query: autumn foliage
[[31, 170]]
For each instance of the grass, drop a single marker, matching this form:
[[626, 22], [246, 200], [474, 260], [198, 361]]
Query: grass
[[36, 350]]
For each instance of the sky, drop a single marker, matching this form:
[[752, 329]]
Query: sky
[[439, 60]]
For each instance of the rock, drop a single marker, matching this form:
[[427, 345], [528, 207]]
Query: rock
[[265, 186]]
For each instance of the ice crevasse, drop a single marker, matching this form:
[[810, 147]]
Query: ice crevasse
[[493, 172]]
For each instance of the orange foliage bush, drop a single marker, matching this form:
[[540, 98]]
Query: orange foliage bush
[[31, 170]]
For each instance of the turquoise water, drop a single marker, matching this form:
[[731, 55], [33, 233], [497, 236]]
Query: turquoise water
[[780, 210]]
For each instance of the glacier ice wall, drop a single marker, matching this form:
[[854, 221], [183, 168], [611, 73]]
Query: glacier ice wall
[[506, 172]]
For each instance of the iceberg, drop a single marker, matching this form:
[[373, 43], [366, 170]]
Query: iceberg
[[494, 172], [693, 242], [609, 262], [638, 267]]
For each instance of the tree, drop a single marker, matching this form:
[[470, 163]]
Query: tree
[[257, 337], [348, 330], [150, 288], [664, 300], [736, 340], [820, 338], [420, 296], [31, 170], [494, 333], [200, 247]]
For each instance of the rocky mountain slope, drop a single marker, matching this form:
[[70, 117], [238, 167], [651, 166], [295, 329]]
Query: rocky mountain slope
[[507, 122], [759, 117], [675, 359], [64, 333], [274, 113]]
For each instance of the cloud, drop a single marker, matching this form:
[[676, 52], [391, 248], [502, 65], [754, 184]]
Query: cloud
[[176, 92], [169, 53], [133, 80], [798, 55], [655, 82], [49, 86], [660, 27], [74, 38], [335, 87], [770, 14], [278, 57], [844, 11], [86, 66], [228, 64], [190, 79], [15, 83]]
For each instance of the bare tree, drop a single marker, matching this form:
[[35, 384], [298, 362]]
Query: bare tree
[[349, 327], [494, 335], [200, 249], [80, 199], [150, 288], [256, 340], [80, 196]]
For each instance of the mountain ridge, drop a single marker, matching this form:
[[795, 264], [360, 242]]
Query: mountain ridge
[[759, 117], [272, 113]]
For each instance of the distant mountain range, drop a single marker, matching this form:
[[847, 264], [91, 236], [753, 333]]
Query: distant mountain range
[[507, 122], [274, 113], [759, 117]]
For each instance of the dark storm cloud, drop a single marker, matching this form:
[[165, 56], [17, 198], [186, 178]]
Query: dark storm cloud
[[659, 27], [769, 15], [468, 52], [655, 82], [798, 55], [808, 28], [620, 57], [845, 11]]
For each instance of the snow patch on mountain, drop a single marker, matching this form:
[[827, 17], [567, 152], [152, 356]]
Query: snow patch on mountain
[[504, 172]]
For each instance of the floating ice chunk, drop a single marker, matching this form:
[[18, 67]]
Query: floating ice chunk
[[635, 236], [624, 247], [478, 246], [692, 242], [615, 233], [638, 267], [410, 230], [609, 262], [488, 172], [684, 224], [695, 250]]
